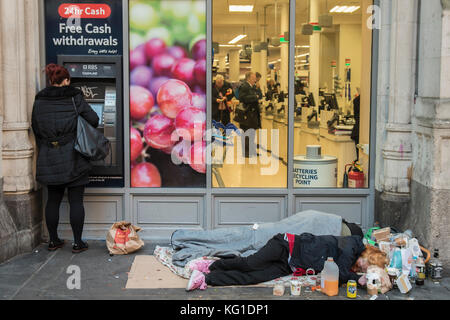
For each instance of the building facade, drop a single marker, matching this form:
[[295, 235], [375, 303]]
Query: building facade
[[403, 68]]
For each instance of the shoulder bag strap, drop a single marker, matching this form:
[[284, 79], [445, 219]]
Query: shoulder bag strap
[[75, 106]]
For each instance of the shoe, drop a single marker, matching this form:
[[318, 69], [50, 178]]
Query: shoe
[[197, 281], [202, 265], [81, 247], [55, 245]]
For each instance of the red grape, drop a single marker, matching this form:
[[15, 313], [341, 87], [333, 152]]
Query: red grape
[[199, 101], [200, 72], [199, 50], [138, 57], [162, 64], [145, 175], [154, 47], [174, 96], [158, 132], [136, 144], [184, 70], [198, 157], [181, 152], [156, 83], [191, 124], [177, 52], [141, 102], [141, 76]]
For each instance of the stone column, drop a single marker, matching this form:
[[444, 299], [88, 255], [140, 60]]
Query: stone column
[[19, 61], [396, 100], [430, 186], [235, 67]]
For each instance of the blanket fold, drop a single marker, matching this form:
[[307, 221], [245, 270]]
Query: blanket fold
[[247, 240]]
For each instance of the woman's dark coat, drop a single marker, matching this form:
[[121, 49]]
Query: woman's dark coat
[[312, 251], [54, 123], [218, 115], [248, 95]]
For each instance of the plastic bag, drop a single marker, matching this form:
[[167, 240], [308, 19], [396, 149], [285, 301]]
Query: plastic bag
[[396, 261], [407, 259], [123, 239]]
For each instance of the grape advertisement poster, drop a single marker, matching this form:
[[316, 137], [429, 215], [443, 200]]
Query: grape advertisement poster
[[167, 93]]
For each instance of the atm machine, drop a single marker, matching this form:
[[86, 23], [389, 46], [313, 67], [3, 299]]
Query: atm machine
[[100, 79]]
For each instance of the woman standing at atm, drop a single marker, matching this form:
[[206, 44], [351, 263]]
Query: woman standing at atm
[[59, 166]]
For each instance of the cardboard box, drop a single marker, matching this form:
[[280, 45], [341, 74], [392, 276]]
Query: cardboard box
[[382, 234], [403, 284]]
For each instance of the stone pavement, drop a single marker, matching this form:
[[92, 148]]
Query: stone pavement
[[42, 275]]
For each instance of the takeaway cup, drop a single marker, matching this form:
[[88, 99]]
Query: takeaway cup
[[296, 288]]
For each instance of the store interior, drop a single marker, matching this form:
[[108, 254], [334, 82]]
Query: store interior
[[333, 48]]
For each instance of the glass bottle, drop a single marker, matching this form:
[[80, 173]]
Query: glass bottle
[[435, 266]]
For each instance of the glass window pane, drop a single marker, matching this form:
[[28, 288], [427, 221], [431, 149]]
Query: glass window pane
[[332, 94], [167, 93], [250, 95]]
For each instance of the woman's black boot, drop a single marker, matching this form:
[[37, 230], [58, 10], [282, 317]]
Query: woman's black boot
[[80, 247]]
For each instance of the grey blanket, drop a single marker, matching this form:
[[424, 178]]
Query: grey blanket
[[245, 241]]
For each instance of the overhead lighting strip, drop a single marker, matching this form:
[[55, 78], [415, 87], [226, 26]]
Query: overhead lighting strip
[[241, 8], [237, 39], [344, 9]]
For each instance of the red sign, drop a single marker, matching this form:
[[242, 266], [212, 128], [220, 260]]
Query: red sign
[[84, 10]]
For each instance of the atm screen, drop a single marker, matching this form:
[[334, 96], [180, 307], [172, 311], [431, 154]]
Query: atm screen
[[98, 108]]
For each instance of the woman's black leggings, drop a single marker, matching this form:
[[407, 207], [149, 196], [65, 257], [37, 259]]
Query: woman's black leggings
[[55, 196], [269, 263]]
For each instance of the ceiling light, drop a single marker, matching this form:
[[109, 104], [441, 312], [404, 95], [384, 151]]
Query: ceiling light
[[240, 8], [238, 38], [229, 45], [344, 9]]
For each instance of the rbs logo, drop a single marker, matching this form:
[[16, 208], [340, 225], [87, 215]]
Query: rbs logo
[[84, 10]]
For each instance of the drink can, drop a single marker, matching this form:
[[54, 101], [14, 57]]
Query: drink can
[[351, 289]]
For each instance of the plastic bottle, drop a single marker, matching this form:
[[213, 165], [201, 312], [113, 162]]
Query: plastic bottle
[[330, 278], [413, 272], [413, 244]]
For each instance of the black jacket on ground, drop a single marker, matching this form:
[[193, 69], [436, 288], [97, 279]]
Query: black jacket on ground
[[248, 95], [54, 124], [312, 251]]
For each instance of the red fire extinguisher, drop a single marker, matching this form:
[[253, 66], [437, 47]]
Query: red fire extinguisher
[[354, 177]]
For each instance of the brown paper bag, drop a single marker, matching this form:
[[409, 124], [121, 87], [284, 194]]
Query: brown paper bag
[[123, 239]]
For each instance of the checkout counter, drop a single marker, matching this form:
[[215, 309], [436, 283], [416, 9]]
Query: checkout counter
[[312, 127]]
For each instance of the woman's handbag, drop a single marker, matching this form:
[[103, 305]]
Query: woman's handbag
[[241, 114], [90, 142], [222, 106]]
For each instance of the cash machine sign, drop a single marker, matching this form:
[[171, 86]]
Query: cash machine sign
[[84, 10]]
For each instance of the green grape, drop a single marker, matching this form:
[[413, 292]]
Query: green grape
[[135, 40], [162, 33], [176, 10], [143, 17]]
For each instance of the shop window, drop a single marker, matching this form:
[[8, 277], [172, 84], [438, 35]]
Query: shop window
[[332, 94], [168, 93], [250, 94]]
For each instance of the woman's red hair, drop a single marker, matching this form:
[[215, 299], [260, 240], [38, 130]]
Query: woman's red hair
[[56, 74], [374, 256]]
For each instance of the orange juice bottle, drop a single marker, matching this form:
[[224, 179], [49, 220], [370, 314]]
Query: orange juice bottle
[[330, 278]]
